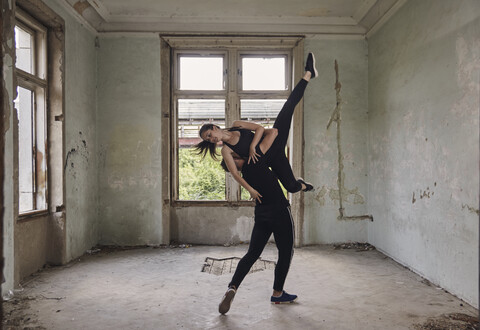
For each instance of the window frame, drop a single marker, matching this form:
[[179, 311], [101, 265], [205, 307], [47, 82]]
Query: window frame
[[35, 81], [236, 49]]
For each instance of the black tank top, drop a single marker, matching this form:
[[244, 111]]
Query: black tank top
[[242, 148]]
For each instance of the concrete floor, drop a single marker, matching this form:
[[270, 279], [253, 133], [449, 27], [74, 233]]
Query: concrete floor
[[164, 288]]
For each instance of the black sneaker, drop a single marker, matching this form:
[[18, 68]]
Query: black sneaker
[[226, 301], [308, 186], [310, 65], [285, 298]]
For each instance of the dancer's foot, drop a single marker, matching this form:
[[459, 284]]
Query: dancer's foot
[[226, 301], [285, 298], [308, 186], [310, 65]]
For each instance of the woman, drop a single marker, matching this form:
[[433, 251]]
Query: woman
[[241, 140]]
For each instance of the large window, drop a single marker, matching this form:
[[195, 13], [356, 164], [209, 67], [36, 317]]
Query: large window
[[30, 104], [219, 87]]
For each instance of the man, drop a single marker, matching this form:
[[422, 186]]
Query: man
[[272, 215]]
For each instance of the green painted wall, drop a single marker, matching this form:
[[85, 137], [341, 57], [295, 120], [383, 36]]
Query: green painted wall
[[129, 137], [424, 71]]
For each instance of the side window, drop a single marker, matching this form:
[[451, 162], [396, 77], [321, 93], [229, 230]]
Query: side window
[[30, 104]]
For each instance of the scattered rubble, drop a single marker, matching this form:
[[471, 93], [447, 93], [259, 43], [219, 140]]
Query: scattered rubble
[[457, 321], [354, 246]]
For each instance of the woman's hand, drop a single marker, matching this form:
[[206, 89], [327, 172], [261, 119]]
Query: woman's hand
[[253, 155], [259, 130], [255, 195]]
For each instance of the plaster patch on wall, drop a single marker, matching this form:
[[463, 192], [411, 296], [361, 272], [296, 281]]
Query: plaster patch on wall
[[242, 230], [334, 194], [348, 195]]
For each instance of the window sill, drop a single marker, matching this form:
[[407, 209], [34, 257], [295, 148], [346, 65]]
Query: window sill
[[185, 203], [32, 215]]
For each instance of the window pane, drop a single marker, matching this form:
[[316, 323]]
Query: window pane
[[40, 155], [24, 49], [261, 111], [24, 106], [263, 73], [201, 73], [199, 179]]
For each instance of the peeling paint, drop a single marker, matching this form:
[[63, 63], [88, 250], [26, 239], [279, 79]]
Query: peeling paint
[[78, 153], [8, 49], [80, 6]]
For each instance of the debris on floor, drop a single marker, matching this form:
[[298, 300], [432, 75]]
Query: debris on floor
[[457, 321], [354, 246], [114, 248], [229, 265], [15, 315]]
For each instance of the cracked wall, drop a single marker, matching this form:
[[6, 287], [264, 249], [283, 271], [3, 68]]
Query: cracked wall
[[321, 145], [424, 71]]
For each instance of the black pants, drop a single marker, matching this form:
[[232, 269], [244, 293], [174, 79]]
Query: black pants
[[276, 157], [281, 225]]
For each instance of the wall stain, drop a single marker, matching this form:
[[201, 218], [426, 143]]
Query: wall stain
[[426, 193], [471, 209]]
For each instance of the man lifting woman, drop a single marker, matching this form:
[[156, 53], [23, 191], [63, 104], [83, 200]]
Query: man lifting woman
[[249, 149]]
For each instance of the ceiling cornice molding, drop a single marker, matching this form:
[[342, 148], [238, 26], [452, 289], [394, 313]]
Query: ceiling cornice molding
[[232, 28], [80, 19], [287, 20], [101, 10], [368, 18], [382, 20], [363, 10]]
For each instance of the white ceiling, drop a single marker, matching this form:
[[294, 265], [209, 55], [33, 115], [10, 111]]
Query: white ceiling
[[346, 17]]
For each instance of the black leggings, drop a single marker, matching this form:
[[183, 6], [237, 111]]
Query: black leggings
[[276, 157], [281, 225]]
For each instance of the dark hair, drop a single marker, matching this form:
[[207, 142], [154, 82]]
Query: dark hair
[[203, 147]]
